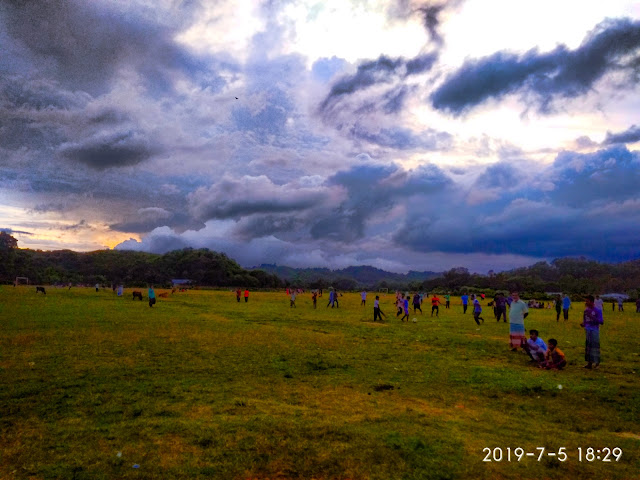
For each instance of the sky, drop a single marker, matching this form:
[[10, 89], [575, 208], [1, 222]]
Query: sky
[[405, 135]]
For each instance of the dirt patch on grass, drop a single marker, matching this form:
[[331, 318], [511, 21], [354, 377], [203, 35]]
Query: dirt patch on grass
[[25, 339], [635, 436], [199, 412], [173, 450]]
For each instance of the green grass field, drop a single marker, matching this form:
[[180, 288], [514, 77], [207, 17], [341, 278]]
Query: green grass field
[[201, 386]]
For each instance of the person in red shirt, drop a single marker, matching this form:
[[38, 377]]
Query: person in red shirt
[[238, 293], [246, 295], [435, 301]]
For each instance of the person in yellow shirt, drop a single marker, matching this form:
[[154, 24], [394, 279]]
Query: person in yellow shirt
[[554, 358]]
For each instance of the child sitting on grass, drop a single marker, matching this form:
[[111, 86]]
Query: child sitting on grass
[[554, 358]]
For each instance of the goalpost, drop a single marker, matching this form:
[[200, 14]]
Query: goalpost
[[383, 290], [21, 280]]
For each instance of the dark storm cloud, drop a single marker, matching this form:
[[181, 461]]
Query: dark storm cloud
[[384, 70], [403, 138], [81, 225], [590, 208], [118, 149], [231, 198], [631, 135], [430, 14], [84, 45], [146, 220], [502, 174], [160, 241], [612, 46], [11, 231], [261, 226], [612, 174], [372, 190]]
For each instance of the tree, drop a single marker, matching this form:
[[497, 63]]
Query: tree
[[8, 245]]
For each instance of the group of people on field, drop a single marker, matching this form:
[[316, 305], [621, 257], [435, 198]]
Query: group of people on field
[[546, 355], [550, 356]]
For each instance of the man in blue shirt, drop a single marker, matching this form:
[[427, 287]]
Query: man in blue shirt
[[465, 302], [566, 303]]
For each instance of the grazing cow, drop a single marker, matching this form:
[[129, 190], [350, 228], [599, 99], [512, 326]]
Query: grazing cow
[[163, 295], [137, 294], [40, 289]]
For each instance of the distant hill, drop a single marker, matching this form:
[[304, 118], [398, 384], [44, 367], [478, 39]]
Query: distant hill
[[348, 278]]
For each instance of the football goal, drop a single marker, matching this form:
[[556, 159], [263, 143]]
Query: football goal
[[21, 281]]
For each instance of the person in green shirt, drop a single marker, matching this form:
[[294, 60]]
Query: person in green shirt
[[447, 300]]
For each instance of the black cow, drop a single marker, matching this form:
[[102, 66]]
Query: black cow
[[137, 294], [40, 289]]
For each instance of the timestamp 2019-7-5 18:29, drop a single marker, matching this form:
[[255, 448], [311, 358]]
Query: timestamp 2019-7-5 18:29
[[562, 454]]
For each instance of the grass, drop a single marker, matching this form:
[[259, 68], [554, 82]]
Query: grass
[[201, 386]]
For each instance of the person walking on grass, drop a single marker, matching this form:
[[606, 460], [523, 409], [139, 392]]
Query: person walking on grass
[[566, 304], [501, 307], [465, 302], [239, 294], [363, 296], [517, 313], [591, 321], [314, 297], [152, 296], [246, 295], [377, 313], [477, 310], [292, 299], [405, 307], [416, 303], [399, 304], [331, 297], [620, 305], [435, 301], [558, 304], [447, 301], [599, 303]]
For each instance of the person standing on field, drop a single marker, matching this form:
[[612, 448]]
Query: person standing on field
[[416, 303], [377, 313], [465, 302], [599, 303], [238, 294], [331, 298], [558, 304], [566, 304], [363, 295], [477, 310], [517, 313], [152, 296], [447, 301], [591, 321], [314, 297], [293, 299], [405, 307], [246, 295], [501, 307], [435, 301]]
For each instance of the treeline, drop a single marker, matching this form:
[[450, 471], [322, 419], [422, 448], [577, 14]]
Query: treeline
[[350, 278], [576, 276], [107, 267]]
